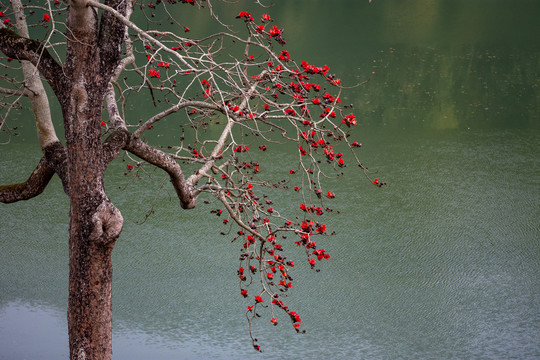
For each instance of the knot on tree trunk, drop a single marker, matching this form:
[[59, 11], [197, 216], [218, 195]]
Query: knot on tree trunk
[[108, 222]]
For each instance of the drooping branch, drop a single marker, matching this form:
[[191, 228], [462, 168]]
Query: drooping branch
[[156, 157], [36, 183]]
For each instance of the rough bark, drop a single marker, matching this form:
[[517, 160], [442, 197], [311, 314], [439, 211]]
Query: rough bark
[[36, 183], [95, 223]]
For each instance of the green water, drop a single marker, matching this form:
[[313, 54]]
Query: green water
[[443, 263]]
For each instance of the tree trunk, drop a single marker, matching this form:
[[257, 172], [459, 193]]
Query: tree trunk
[[94, 226], [95, 223]]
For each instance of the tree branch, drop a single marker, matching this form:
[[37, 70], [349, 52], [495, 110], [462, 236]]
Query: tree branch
[[16, 92], [20, 48], [38, 97], [139, 31], [166, 162], [36, 183]]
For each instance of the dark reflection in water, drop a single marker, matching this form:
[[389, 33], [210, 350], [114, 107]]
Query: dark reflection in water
[[441, 264]]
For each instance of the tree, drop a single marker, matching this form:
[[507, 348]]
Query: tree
[[94, 57]]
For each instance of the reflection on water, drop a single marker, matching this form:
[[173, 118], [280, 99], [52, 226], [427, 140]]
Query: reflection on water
[[443, 263]]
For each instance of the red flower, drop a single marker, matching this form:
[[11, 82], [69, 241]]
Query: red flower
[[130, 167], [275, 31], [103, 123], [292, 171], [302, 151], [296, 188], [225, 221], [311, 262], [186, 29], [356, 144], [266, 17], [349, 120], [2, 14], [246, 15], [376, 181], [6, 21], [241, 148], [274, 321], [46, 17], [259, 28], [262, 148], [154, 73], [270, 275], [290, 112], [316, 101], [258, 299], [244, 293], [330, 195], [284, 55]]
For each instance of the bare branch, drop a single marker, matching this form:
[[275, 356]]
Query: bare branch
[[16, 92], [172, 110]]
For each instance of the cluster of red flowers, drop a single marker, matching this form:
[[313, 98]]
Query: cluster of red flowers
[[285, 56], [311, 209], [289, 91], [349, 120], [240, 148], [154, 73], [246, 15]]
